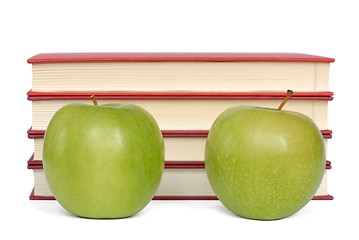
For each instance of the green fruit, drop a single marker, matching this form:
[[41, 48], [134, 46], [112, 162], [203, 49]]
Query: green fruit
[[264, 163], [103, 161]]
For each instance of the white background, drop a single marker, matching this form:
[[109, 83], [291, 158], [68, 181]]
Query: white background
[[321, 27]]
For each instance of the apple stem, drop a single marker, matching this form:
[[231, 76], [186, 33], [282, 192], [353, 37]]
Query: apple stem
[[288, 95], [94, 100]]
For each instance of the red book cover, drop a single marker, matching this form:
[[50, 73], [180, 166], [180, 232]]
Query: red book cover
[[32, 134], [37, 96], [34, 197], [37, 164], [174, 57]]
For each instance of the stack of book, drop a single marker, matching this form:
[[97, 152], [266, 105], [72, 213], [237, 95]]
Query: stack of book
[[184, 92]]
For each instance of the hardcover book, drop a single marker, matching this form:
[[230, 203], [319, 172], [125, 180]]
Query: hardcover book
[[184, 110], [180, 181], [206, 72], [185, 146]]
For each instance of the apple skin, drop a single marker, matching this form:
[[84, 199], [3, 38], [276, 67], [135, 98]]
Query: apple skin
[[262, 163], [103, 161]]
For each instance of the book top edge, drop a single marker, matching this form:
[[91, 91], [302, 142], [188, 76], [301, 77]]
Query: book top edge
[[74, 57]]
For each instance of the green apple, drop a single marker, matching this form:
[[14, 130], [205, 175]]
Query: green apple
[[103, 161], [264, 163]]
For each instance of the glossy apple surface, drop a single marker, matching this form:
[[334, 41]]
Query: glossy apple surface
[[264, 163], [103, 161]]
